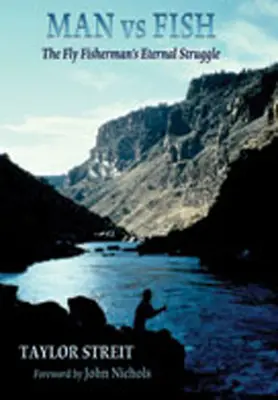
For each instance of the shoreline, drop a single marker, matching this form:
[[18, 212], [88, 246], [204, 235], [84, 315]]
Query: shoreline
[[17, 260]]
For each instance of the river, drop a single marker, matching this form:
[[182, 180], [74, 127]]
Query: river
[[225, 327]]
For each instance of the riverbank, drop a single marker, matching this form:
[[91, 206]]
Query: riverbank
[[16, 261]]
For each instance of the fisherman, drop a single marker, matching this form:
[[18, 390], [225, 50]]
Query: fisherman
[[145, 311]]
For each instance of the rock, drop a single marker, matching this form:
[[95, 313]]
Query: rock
[[45, 322], [50, 313], [99, 249], [130, 249], [87, 312], [113, 248]]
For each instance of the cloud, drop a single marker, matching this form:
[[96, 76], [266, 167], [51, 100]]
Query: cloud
[[85, 125], [245, 41], [60, 142], [46, 159], [99, 81], [52, 126], [260, 7]]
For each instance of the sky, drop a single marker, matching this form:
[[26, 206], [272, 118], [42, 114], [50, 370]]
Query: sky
[[51, 109]]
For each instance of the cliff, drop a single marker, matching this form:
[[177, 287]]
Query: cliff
[[161, 168], [39, 223]]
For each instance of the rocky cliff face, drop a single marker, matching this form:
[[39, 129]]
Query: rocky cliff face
[[121, 143], [161, 167], [38, 223]]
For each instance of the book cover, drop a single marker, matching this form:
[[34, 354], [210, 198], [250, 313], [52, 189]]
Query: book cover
[[138, 204]]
